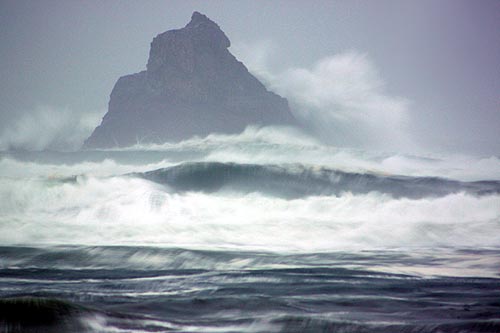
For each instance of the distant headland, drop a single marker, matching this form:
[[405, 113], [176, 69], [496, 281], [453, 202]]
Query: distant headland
[[192, 86]]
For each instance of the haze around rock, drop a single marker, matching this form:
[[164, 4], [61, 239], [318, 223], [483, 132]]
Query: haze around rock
[[192, 86]]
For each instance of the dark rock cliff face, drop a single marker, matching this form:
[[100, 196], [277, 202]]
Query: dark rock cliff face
[[192, 86]]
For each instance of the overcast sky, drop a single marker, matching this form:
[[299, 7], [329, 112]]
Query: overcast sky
[[436, 64]]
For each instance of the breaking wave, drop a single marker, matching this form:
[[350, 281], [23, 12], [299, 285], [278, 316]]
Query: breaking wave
[[247, 233], [278, 145], [265, 189], [126, 210], [295, 181], [262, 146]]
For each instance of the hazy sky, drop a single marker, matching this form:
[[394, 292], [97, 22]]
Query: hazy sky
[[435, 64]]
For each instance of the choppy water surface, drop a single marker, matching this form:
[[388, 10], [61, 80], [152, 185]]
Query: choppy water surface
[[157, 289], [265, 231]]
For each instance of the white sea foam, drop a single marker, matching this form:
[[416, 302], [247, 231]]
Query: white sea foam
[[258, 146], [287, 145], [13, 168], [123, 210], [36, 206]]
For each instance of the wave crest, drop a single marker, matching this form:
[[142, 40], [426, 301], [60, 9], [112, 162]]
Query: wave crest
[[295, 181]]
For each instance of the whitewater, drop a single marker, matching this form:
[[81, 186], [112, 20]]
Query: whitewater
[[264, 231]]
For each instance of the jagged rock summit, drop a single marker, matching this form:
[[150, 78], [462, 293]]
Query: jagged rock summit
[[192, 86]]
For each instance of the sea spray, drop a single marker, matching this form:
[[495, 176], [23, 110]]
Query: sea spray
[[128, 210]]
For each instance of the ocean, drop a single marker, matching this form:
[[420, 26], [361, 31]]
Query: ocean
[[264, 231]]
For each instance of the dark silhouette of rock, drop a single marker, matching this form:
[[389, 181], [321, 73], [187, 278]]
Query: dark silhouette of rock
[[192, 86]]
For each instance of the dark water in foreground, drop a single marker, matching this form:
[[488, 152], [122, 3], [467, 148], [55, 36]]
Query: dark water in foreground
[[148, 289]]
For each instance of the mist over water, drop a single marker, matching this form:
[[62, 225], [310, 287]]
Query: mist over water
[[255, 145], [177, 236]]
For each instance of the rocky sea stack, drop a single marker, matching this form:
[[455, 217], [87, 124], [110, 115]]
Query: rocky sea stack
[[192, 86]]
